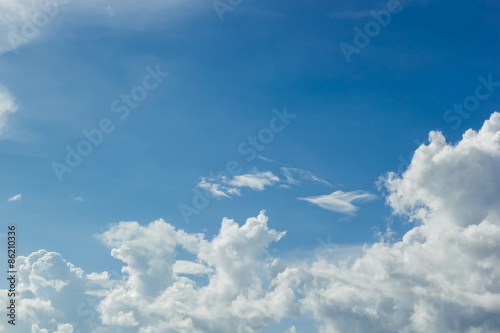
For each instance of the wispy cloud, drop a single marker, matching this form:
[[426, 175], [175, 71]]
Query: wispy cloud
[[294, 176], [223, 187], [80, 199], [7, 105], [255, 181], [22, 21], [217, 190], [17, 197], [341, 202], [266, 159]]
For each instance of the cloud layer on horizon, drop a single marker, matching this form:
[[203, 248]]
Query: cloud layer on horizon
[[441, 277]]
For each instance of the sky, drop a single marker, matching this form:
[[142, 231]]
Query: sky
[[251, 166]]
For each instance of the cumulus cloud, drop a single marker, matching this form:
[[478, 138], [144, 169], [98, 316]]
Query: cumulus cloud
[[443, 276], [340, 201], [7, 106], [17, 197], [159, 293], [64, 328]]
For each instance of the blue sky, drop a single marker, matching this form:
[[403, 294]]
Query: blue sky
[[354, 121]]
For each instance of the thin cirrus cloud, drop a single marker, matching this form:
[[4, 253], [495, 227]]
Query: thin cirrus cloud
[[255, 181], [224, 187], [295, 176], [16, 197], [17, 21], [22, 21], [409, 285], [341, 202], [7, 106], [221, 186]]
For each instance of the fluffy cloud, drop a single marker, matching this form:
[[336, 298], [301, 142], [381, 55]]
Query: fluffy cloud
[[156, 299], [243, 289], [7, 106], [54, 295], [443, 276], [340, 202]]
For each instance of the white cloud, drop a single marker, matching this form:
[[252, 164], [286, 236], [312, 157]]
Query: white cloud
[[238, 296], [458, 180], [80, 199], [189, 267], [266, 159], [17, 197], [223, 187], [18, 20], [7, 106], [340, 201], [216, 189], [62, 328], [157, 300], [442, 277], [256, 181]]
